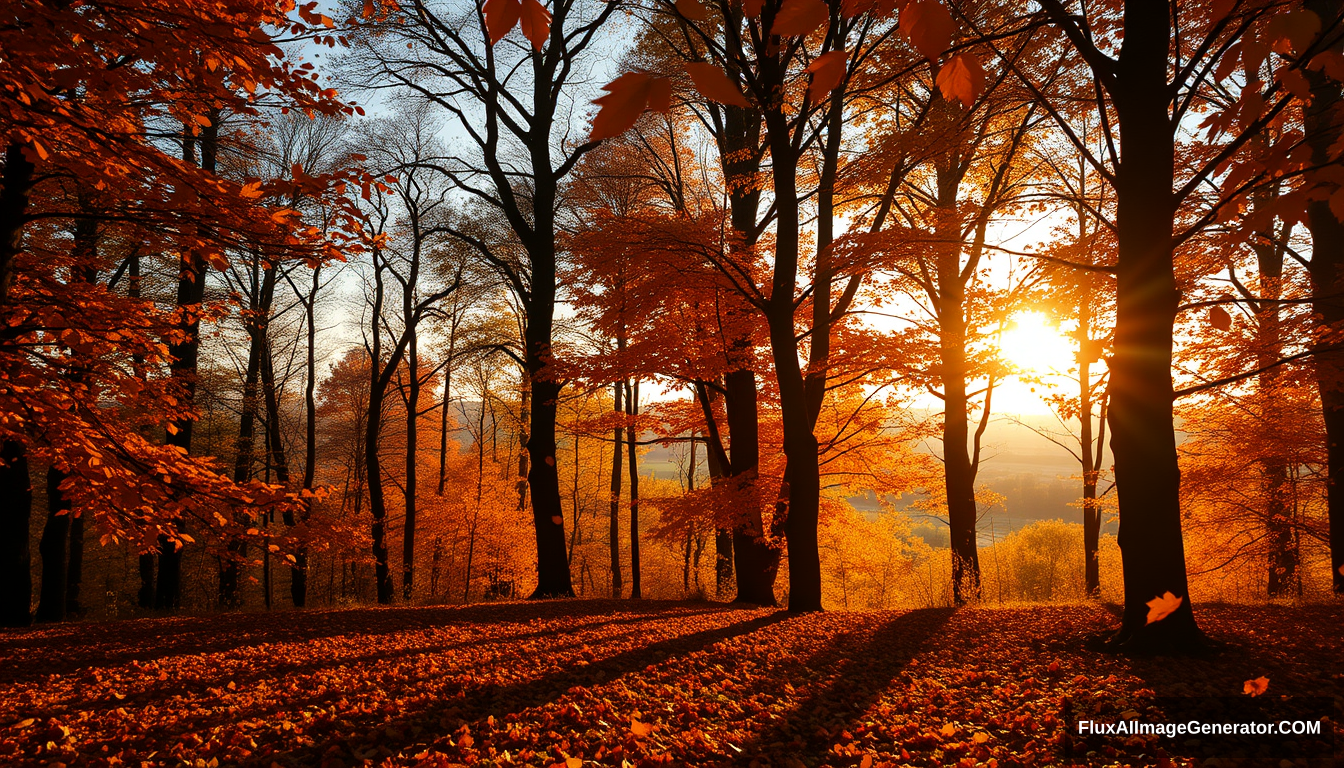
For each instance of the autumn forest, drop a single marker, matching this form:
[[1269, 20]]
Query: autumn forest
[[694, 382]]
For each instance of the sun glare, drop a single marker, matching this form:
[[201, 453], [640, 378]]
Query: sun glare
[[1034, 346]]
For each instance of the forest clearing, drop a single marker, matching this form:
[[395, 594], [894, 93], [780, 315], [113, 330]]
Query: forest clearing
[[614, 683]]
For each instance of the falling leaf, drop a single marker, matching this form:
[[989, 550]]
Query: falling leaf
[[500, 17], [713, 84], [799, 17], [558, 520], [692, 9], [535, 21], [827, 71], [1160, 608], [1219, 318], [752, 8], [961, 78], [626, 99], [928, 25], [1256, 687]]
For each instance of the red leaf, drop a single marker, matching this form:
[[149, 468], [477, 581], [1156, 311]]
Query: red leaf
[[536, 22], [929, 27], [1219, 318], [660, 94], [827, 71], [961, 78], [627, 97], [692, 9], [752, 8], [713, 84], [799, 17], [368, 8], [500, 17]]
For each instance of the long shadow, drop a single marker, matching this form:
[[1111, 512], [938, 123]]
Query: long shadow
[[866, 665], [200, 685], [63, 649], [474, 704]]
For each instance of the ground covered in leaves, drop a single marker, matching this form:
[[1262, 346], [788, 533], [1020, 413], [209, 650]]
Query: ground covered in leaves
[[579, 683]]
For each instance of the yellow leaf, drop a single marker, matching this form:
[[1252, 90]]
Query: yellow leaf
[[980, 737], [1160, 608], [573, 762]]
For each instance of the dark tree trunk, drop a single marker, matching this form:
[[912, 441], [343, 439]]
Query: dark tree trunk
[[1326, 269], [717, 461], [614, 530], [753, 559], [802, 476], [16, 493], [230, 565], [1143, 439], [372, 431], [631, 436], [52, 547], [16, 504], [412, 448], [298, 578], [184, 356]]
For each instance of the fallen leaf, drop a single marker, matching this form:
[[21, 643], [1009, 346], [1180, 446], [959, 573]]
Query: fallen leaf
[[1160, 608], [1256, 687]]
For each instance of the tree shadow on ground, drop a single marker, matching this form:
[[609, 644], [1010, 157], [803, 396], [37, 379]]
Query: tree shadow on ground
[[864, 666], [473, 704], [66, 648]]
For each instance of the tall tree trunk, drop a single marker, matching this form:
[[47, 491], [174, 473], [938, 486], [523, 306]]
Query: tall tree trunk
[[802, 476], [145, 561], [16, 510], [52, 547], [298, 576], [1327, 271], [412, 448], [372, 432], [230, 564], [1143, 440], [614, 530], [185, 355], [718, 463], [632, 455], [74, 572]]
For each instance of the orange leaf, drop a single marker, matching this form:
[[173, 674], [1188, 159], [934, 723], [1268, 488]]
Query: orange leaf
[[536, 23], [827, 71], [1160, 608], [1256, 687], [929, 27], [713, 84], [961, 78], [368, 8], [558, 520], [640, 729], [752, 8], [626, 98], [692, 9], [500, 17], [1219, 318], [799, 17]]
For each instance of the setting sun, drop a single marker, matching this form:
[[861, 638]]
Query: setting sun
[[1034, 346]]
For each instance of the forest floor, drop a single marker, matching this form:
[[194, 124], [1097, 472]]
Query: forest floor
[[585, 682]]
